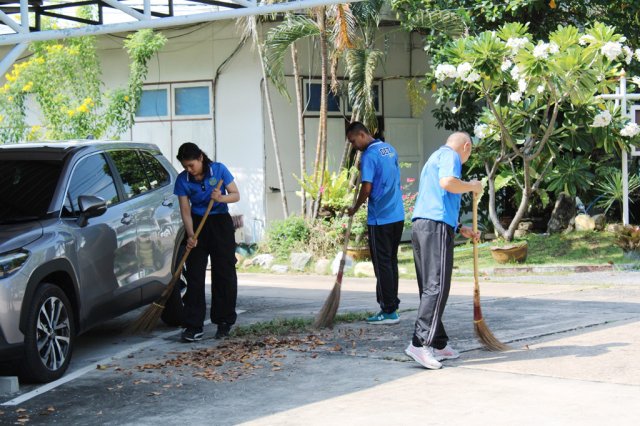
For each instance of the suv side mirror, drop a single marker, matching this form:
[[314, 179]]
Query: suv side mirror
[[90, 206]]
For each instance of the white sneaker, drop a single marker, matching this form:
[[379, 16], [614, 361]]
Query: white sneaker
[[446, 353], [423, 356]]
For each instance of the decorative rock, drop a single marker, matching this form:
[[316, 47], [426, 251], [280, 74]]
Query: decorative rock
[[614, 227], [348, 263], [364, 268], [264, 260], [584, 222], [600, 221], [280, 269], [321, 266], [519, 233], [299, 261], [563, 212], [525, 225]]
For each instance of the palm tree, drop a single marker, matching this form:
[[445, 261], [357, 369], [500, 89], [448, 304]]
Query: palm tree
[[333, 24]]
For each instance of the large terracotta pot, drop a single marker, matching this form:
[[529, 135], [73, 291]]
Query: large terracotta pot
[[359, 253], [510, 253]]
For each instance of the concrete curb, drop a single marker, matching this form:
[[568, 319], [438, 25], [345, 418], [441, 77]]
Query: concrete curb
[[511, 270]]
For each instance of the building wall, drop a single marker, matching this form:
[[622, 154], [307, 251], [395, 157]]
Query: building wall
[[405, 58]]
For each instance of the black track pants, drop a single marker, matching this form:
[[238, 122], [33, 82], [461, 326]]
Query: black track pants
[[433, 257], [216, 240], [383, 243]]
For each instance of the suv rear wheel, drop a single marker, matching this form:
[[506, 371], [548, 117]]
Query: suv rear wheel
[[49, 335]]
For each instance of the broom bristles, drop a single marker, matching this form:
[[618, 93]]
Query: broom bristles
[[327, 314], [487, 338], [148, 320]]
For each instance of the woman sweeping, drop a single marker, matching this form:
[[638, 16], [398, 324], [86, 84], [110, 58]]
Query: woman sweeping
[[195, 187]]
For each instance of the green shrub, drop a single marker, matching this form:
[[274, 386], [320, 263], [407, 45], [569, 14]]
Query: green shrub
[[285, 236]]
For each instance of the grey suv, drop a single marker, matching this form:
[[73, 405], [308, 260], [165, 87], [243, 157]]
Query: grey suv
[[88, 231]]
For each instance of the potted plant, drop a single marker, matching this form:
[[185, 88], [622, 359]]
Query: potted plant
[[358, 247], [628, 239]]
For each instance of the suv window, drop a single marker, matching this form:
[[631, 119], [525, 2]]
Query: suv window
[[26, 188], [156, 173], [132, 172], [92, 176]]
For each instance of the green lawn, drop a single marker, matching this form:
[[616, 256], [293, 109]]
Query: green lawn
[[576, 248]]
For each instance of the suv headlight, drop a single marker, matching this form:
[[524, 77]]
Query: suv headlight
[[11, 262]]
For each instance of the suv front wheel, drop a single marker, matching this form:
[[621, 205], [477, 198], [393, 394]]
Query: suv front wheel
[[49, 335]]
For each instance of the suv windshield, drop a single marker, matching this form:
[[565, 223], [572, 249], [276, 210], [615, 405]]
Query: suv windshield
[[26, 188]]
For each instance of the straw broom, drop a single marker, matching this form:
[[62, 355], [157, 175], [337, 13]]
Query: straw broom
[[327, 314], [146, 322], [482, 331]]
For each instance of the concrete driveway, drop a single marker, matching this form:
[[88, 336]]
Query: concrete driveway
[[575, 340]]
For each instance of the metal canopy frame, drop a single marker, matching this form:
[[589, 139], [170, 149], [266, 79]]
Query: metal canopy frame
[[20, 34]]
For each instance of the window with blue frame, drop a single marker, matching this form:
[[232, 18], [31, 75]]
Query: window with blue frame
[[153, 103], [192, 100]]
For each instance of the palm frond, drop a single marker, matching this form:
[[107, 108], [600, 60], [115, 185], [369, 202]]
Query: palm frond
[[278, 41], [344, 25], [444, 21], [361, 66]]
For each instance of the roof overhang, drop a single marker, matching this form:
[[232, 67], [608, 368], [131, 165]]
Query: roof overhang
[[20, 32]]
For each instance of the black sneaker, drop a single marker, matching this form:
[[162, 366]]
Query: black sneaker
[[192, 334], [223, 330]]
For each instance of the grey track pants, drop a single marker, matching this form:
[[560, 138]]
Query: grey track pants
[[433, 257]]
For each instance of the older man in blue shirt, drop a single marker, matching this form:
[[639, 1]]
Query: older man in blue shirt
[[435, 222], [380, 176]]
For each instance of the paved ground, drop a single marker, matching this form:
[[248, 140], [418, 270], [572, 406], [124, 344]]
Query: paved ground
[[575, 345]]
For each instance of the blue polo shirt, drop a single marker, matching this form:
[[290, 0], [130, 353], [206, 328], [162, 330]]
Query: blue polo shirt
[[433, 202], [199, 192], [379, 166]]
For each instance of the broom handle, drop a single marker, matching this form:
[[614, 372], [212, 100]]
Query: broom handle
[[347, 234], [178, 271], [475, 243]]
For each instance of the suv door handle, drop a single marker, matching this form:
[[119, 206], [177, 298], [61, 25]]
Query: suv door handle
[[168, 202], [126, 219]]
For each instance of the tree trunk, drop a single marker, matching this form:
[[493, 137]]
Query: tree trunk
[[301, 136], [321, 149], [274, 139]]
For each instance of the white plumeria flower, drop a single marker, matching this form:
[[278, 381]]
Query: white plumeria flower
[[611, 50], [515, 97], [471, 77], [516, 44], [630, 130], [540, 89], [622, 39], [636, 81], [628, 54], [515, 72], [541, 51], [602, 120], [481, 131], [454, 110], [586, 39], [506, 64], [522, 85], [464, 69], [553, 48], [444, 71]]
